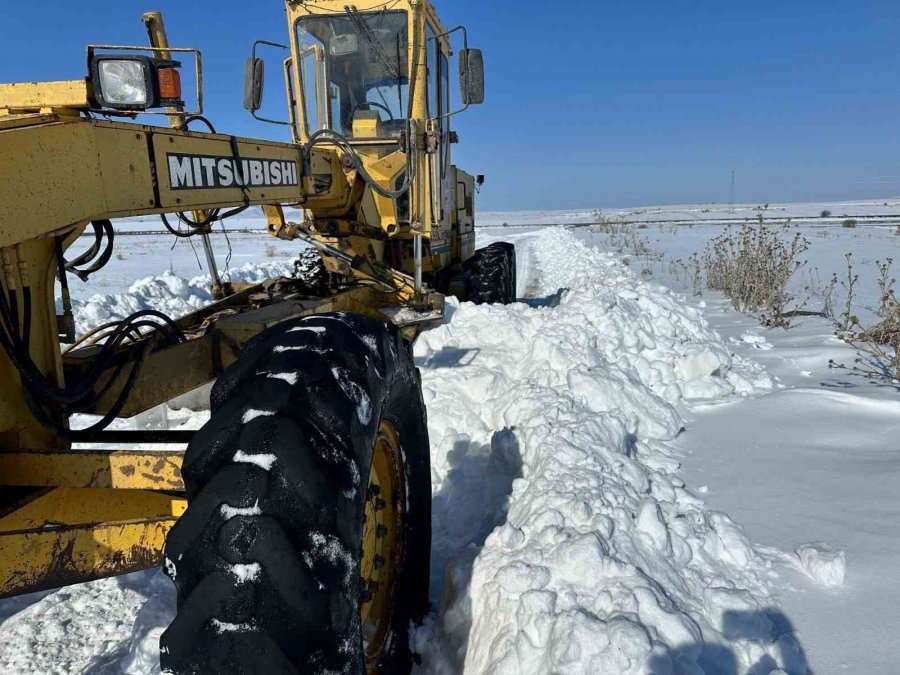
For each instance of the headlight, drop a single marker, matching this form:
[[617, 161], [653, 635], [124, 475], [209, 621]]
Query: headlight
[[134, 83], [124, 83]]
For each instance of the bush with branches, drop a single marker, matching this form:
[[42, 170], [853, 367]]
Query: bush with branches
[[754, 266], [879, 344]]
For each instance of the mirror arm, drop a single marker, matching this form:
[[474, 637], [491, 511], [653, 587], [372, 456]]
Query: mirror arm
[[253, 56], [465, 33]]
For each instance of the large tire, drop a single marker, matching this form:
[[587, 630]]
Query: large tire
[[310, 269], [491, 274], [282, 520]]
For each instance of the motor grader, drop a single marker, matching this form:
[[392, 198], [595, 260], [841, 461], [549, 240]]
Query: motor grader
[[296, 524]]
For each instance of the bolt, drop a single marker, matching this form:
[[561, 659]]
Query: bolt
[[381, 531], [380, 504], [379, 562]]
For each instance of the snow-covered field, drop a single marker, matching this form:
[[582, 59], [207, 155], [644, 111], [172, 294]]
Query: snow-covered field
[[885, 209], [624, 479]]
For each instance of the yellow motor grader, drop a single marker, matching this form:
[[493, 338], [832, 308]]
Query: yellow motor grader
[[296, 525]]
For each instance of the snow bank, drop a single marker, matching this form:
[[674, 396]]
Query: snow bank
[[564, 542], [168, 293]]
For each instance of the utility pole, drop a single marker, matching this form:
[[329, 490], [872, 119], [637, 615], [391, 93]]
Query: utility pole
[[732, 192]]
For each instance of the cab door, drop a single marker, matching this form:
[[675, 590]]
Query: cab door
[[440, 187]]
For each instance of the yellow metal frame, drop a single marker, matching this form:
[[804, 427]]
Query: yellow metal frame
[[72, 535], [42, 96], [86, 514]]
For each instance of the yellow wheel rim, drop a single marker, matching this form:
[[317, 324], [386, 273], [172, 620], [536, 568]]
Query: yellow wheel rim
[[382, 543]]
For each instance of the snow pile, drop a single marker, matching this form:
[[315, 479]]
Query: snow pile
[[823, 565], [168, 293], [564, 541]]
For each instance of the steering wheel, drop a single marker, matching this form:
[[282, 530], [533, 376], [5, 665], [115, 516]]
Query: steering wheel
[[373, 103]]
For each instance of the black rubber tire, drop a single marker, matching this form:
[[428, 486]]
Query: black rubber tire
[[492, 274], [310, 269], [298, 523]]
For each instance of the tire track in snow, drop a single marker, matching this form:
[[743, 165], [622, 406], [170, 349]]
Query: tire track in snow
[[564, 541]]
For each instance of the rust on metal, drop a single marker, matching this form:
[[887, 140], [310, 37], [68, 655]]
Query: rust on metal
[[72, 535]]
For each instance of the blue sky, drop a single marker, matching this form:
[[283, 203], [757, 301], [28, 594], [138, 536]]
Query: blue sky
[[590, 103]]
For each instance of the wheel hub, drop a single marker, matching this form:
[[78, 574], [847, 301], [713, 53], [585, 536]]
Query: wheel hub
[[382, 543]]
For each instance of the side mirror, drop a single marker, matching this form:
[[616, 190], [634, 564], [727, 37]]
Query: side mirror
[[254, 80], [471, 76], [479, 180]]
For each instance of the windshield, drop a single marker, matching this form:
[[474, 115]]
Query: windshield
[[354, 73]]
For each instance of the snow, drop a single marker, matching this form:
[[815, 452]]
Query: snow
[[246, 573], [264, 461], [814, 460], [823, 565], [885, 210], [74, 627], [625, 479], [564, 539], [170, 294], [355, 393], [229, 512], [224, 627], [290, 378], [251, 414], [328, 548], [309, 329]]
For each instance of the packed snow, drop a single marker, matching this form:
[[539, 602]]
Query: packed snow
[[625, 479], [565, 541], [168, 293]]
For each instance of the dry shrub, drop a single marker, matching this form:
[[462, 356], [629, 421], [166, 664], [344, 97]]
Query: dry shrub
[[825, 292], [879, 344], [620, 235], [753, 268]]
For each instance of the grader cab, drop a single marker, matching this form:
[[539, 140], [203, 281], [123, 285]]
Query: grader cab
[[296, 524]]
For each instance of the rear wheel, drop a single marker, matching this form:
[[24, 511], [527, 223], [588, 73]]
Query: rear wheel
[[492, 274], [305, 546]]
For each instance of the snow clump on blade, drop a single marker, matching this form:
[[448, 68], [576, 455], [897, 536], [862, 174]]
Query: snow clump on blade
[[166, 293]]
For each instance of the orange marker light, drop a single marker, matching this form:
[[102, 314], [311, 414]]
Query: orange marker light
[[169, 84]]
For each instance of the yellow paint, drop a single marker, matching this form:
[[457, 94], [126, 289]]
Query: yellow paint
[[124, 470], [35, 96]]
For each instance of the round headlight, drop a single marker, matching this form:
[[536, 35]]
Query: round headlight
[[124, 82]]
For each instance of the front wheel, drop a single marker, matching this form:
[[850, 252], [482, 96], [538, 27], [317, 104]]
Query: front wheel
[[491, 274], [305, 546]]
